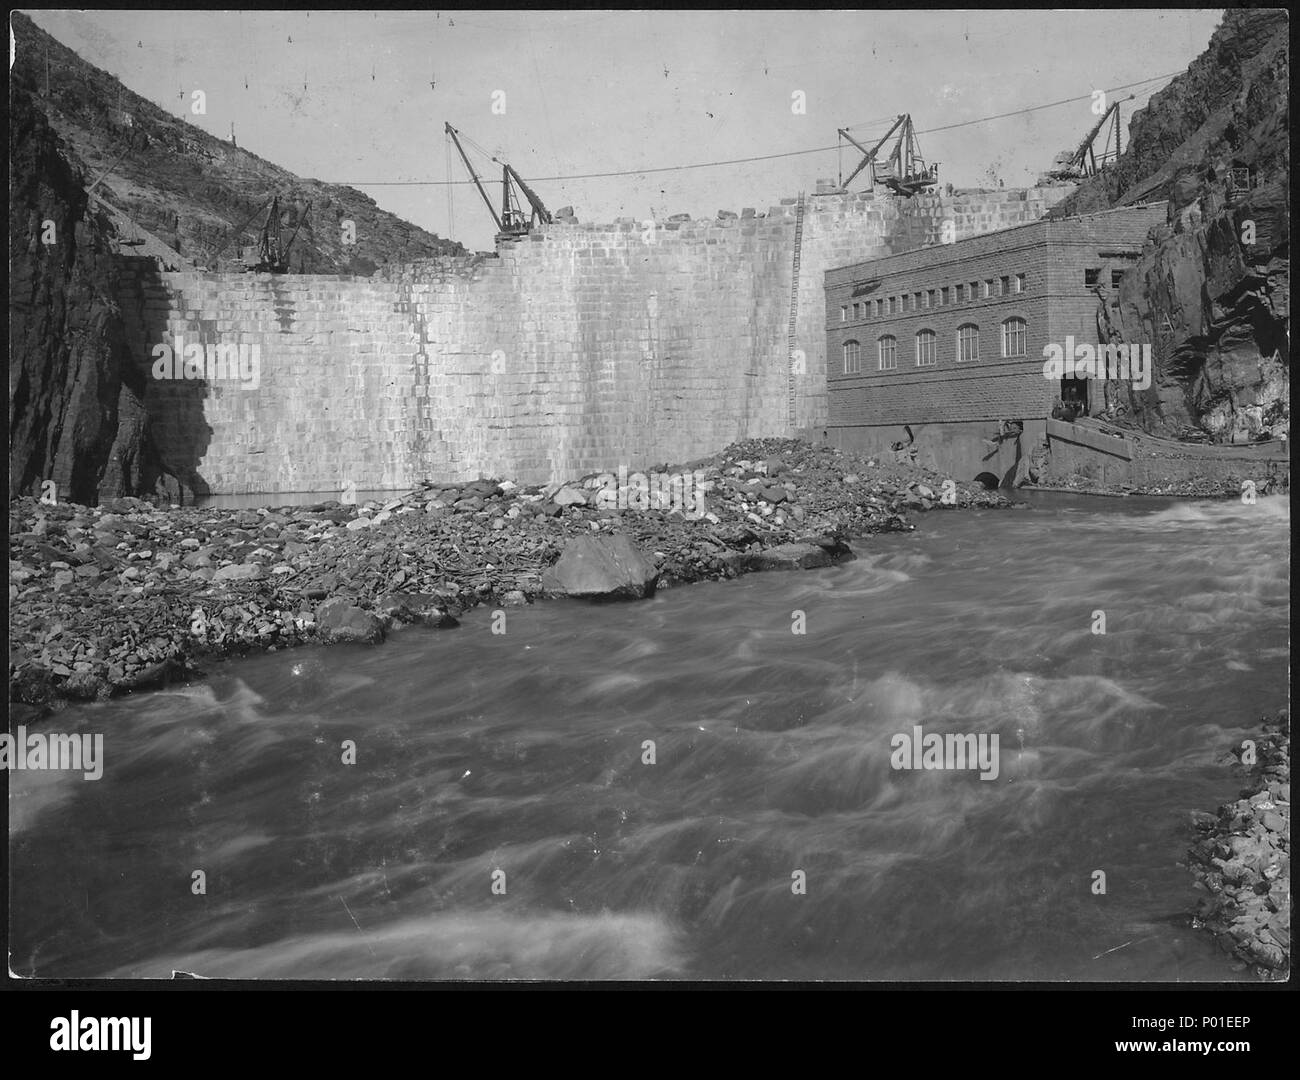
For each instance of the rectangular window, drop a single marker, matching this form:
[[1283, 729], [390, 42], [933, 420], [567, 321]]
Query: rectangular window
[[927, 298], [852, 358], [916, 301], [1013, 337], [943, 296], [1020, 283], [974, 290], [968, 343], [925, 349], [888, 353], [1004, 286], [1092, 276], [1116, 276], [891, 305], [988, 289], [844, 313]]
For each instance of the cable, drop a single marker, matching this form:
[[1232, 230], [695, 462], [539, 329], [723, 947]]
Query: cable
[[740, 161]]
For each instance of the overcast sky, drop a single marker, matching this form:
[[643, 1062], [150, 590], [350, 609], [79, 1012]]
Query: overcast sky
[[347, 97]]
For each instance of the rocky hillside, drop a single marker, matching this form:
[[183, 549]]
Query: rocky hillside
[[191, 190], [1211, 290]]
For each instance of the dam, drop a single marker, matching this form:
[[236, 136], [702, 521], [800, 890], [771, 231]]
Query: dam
[[576, 349]]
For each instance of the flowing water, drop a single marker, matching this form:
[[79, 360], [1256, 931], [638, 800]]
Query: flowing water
[[518, 762]]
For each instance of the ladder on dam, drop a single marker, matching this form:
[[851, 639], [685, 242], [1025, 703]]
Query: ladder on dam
[[794, 308]]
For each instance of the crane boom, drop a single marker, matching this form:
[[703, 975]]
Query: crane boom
[[1086, 145], [474, 176], [870, 154]]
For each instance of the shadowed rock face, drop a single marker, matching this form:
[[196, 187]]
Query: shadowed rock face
[[1215, 310], [75, 403], [1211, 289]]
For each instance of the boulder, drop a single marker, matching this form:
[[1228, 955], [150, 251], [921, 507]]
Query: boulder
[[339, 620], [604, 567], [789, 557], [568, 496], [423, 608]]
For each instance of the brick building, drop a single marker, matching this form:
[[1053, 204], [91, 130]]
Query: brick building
[[948, 340]]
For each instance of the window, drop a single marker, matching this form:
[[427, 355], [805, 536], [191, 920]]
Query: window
[[968, 342], [1013, 337], [1116, 276], [888, 346], [916, 301], [1092, 276], [857, 312], [928, 300], [943, 296], [844, 313], [974, 290], [1004, 286], [1020, 283], [926, 353], [852, 358], [988, 289]]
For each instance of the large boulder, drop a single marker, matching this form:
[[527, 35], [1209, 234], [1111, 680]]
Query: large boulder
[[602, 568], [339, 620]]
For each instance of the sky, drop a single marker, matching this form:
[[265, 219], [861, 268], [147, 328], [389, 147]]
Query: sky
[[361, 97]]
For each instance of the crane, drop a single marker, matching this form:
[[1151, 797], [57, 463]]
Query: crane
[[1085, 162], [907, 173], [511, 222], [271, 253]]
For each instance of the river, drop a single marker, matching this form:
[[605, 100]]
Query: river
[[502, 818]]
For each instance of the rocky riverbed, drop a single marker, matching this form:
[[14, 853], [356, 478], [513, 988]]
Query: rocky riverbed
[[128, 594], [1242, 859]]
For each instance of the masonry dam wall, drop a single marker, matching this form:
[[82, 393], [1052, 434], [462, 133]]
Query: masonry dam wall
[[577, 349]]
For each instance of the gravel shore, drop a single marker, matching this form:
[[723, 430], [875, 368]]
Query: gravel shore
[[129, 595], [1242, 859]]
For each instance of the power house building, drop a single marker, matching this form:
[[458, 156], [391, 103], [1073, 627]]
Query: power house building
[[937, 347]]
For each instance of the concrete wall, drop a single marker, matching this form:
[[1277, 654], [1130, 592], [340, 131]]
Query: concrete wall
[[1109, 457], [578, 349]]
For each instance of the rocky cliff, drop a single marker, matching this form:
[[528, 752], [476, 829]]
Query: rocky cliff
[[75, 403], [1211, 289]]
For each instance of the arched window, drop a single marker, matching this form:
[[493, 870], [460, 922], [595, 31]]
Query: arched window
[[1013, 337], [968, 342], [852, 358], [926, 352], [888, 347]]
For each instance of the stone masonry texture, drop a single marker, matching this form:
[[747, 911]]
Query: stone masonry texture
[[579, 348]]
